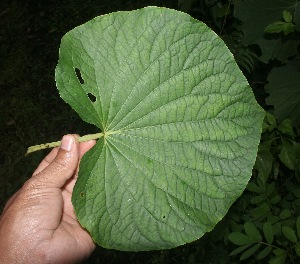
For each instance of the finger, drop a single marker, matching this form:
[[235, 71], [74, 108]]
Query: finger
[[46, 161], [62, 167], [83, 148]]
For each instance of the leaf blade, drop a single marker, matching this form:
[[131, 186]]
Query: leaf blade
[[177, 131]]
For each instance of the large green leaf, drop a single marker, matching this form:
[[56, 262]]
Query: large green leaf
[[284, 90], [180, 127]]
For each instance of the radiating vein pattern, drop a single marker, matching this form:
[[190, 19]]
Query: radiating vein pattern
[[180, 123]]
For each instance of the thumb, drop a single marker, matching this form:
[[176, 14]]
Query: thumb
[[63, 165]]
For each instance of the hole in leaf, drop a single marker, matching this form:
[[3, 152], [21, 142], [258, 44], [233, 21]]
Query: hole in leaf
[[92, 97], [78, 74], [82, 194], [164, 216]]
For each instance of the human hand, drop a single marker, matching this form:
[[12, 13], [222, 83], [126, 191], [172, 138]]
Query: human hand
[[38, 223]]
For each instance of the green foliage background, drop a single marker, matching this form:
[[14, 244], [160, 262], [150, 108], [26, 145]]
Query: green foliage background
[[263, 226]]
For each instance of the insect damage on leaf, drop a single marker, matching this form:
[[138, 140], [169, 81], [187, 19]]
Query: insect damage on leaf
[[92, 97], [78, 74]]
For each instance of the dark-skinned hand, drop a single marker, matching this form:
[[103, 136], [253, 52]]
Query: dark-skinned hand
[[38, 223]]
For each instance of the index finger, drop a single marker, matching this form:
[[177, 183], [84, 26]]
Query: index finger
[[83, 148]]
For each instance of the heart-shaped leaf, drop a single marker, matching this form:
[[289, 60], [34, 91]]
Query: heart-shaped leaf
[[180, 127]]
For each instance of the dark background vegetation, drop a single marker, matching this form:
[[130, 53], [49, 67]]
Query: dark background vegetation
[[263, 226]]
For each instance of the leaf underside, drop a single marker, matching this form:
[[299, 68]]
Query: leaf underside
[[180, 127]]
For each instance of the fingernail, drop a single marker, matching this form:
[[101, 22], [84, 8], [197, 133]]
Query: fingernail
[[67, 143]]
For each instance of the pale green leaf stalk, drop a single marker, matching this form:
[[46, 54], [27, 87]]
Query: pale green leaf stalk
[[57, 143]]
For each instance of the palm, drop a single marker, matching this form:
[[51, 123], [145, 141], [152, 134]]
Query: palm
[[65, 237]]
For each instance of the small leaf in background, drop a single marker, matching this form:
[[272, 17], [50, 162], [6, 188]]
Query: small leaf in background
[[268, 232], [280, 256], [263, 164], [288, 155], [252, 232], [277, 260], [287, 16], [275, 27], [239, 238], [289, 233], [286, 127], [239, 250], [249, 252], [252, 187], [264, 253], [261, 212], [269, 123], [288, 28], [180, 135], [274, 200], [280, 26], [286, 213], [258, 199], [271, 190], [272, 219]]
